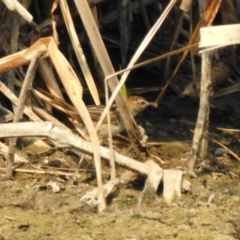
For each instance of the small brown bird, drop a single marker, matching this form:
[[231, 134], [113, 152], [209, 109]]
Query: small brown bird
[[135, 104]]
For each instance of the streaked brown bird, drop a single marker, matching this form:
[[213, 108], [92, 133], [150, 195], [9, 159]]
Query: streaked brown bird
[[135, 104]]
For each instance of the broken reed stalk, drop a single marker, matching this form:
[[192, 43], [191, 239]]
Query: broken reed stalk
[[19, 109], [111, 153], [15, 29], [52, 171], [199, 143], [55, 172], [65, 139]]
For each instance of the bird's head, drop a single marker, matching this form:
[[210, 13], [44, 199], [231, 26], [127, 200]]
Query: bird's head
[[137, 104]]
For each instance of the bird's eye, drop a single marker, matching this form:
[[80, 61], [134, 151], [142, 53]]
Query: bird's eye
[[142, 103]]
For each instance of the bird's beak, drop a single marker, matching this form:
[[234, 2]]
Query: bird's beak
[[152, 104]]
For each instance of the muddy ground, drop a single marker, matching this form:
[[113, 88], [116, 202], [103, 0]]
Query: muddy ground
[[30, 210]]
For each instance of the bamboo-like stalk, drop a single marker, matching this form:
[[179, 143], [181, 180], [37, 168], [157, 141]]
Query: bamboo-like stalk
[[199, 143], [74, 91], [79, 51], [20, 108]]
